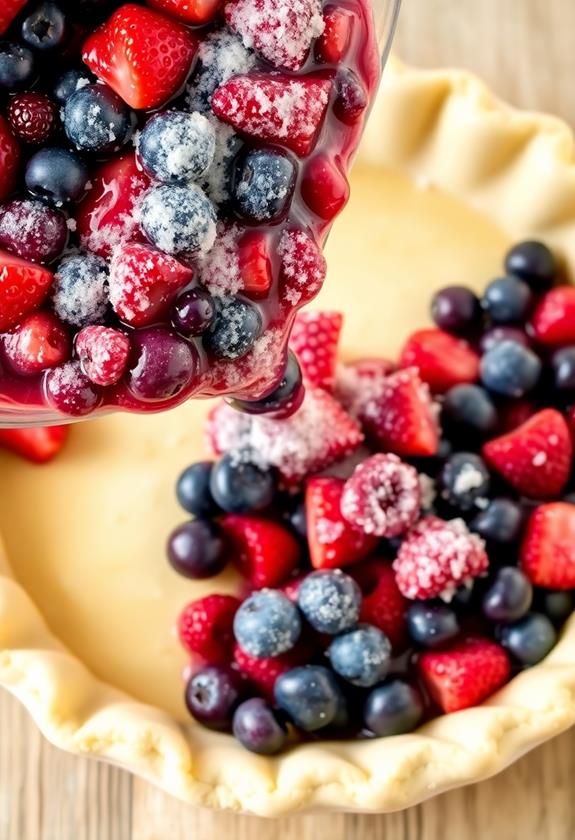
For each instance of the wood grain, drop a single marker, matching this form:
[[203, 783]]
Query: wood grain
[[523, 48]]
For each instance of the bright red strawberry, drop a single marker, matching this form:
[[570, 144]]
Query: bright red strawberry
[[466, 674], [438, 557], [553, 322], [324, 187], [206, 627], [332, 541], [263, 672], [8, 11], [142, 55], [357, 383], [196, 12], [441, 359], [9, 159], [255, 264], [265, 552], [536, 457], [275, 108], [548, 549], [315, 340], [303, 267], [39, 342], [282, 31], [144, 282], [383, 604], [39, 445], [103, 353], [23, 287], [334, 41], [107, 216], [316, 436]]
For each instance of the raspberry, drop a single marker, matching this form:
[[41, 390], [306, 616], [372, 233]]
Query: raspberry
[[33, 117], [205, 627], [103, 354]]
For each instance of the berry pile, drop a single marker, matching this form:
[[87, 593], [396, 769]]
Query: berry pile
[[406, 538], [168, 174]]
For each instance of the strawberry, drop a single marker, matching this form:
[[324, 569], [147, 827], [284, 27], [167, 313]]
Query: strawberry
[[255, 264], [39, 342], [144, 282], [275, 108], [39, 444], [9, 158], [383, 604], [332, 541], [282, 31], [303, 267], [335, 39], [536, 457], [314, 340], [547, 553], [441, 359], [142, 55], [206, 627], [466, 674], [103, 353], [196, 12], [265, 552], [23, 287], [9, 9], [107, 215], [316, 436], [263, 672], [358, 382], [324, 187], [553, 321]]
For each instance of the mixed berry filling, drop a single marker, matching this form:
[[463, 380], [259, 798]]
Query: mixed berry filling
[[406, 538], [168, 174]]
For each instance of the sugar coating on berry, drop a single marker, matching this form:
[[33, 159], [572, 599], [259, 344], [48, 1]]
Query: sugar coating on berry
[[220, 268], [103, 354], [361, 384], [33, 230], [178, 219], [382, 497], [70, 391], [177, 147], [80, 290], [219, 57], [216, 181], [303, 266], [105, 238]]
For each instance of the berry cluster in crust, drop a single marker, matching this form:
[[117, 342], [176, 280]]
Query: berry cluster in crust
[[168, 174], [406, 537]]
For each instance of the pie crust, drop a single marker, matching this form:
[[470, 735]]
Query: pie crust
[[447, 133]]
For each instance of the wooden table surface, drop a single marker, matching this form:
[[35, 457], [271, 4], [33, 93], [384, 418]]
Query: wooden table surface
[[524, 49]]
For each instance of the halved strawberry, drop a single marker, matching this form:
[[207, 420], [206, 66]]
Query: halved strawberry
[[335, 39], [107, 216], [9, 9], [265, 552], [39, 342], [553, 321], [196, 12], [23, 287], [466, 674], [383, 604], [315, 341], [255, 264], [332, 541], [141, 54], [39, 445], [442, 360], [303, 267], [548, 548], [9, 158], [536, 457], [275, 108]]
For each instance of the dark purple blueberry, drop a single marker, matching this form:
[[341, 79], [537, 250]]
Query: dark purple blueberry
[[330, 600], [556, 604], [17, 66], [456, 309], [263, 185], [464, 481], [502, 522], [80, 290], [198, 549], [394, 708], [309, 695], [193, 490], [69, 82], [297, 518], [532, 262], [351, 98], [176, 147], [57, 175], [431, 624], [498, 334], [284, 400], [212, 696], [33, 230], [528, 640], [193, 312], [235, 329], [507, 300], [509, 597], [69, 390], [257, 727], [96, 119], [178, 219], [511, 370], [45, 27], [163, 364], [361, 656], [563, 364], [267, 624], [469, 410], [239, 486]]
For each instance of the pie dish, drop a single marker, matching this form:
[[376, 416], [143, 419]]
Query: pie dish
[[447, 177]]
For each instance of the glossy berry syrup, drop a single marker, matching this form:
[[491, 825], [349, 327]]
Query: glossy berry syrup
[[168, 176]]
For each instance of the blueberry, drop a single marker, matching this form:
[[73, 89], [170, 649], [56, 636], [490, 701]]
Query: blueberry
[[263, 185], [469, 409], [69, 82], [456, 309], [193, 490], [212, 696], [80, 290], [501, 522], [257, 728], [238, 486], [532, 262], [464, 480], [507, 300], [309, 695], [17, 66], [176, 147], [267, 624], [509, 597], [330, 600], [221, 54], [193, 312], [393, 708], [162, 364], [178, 220], [431, 624], [510, 369], [361, 656], [298, 519], [284, 400], [45, 27], [498, 334], [97, 120], [57, 175], [563, 364], [198, 549], [235, 329], [557, 605], [530, 639]]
